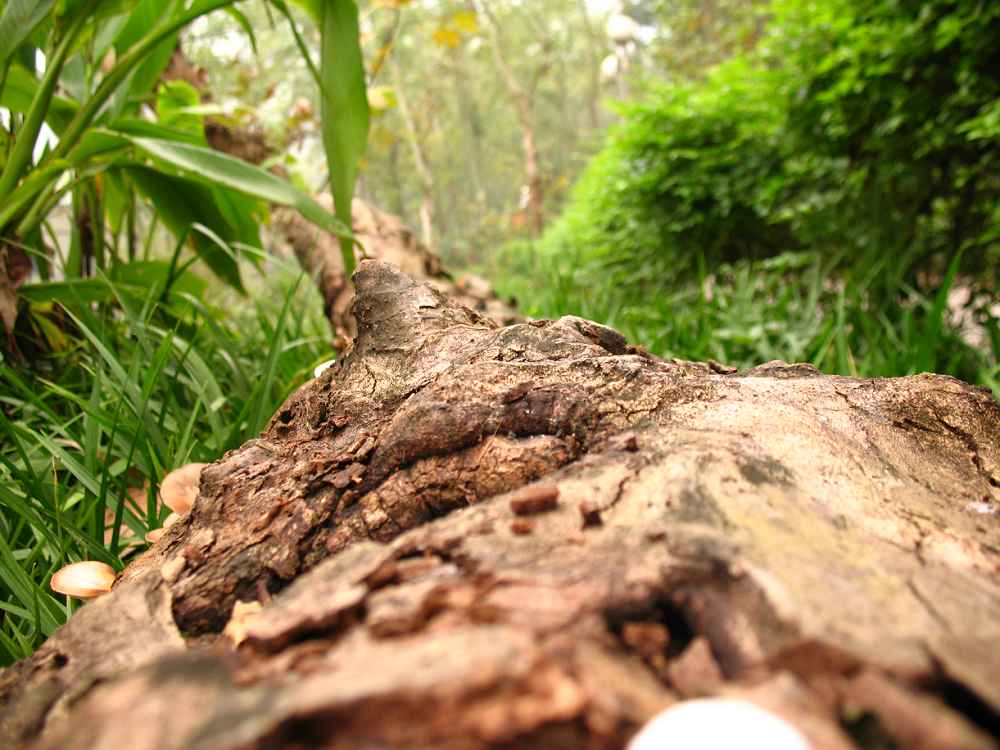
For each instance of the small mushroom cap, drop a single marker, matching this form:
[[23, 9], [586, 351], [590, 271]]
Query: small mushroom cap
[[154, 535], [84, 580], [179, 488], [717, 723]]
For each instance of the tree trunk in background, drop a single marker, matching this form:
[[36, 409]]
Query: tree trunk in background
[[532, 198], [419, 161], [464, 536], [470, 108], [594, 59]]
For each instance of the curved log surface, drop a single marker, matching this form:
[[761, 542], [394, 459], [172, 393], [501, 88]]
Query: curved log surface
[[386, 238], [537, 536]]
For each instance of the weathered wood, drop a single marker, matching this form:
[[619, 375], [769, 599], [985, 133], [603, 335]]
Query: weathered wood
[[826, 547], [383, 237]]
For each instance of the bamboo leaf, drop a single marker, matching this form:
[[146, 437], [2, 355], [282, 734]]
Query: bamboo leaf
[[19, 19], [207, 165], [345, 114]]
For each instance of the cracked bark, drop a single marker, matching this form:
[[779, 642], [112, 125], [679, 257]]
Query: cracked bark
[[465, 535]]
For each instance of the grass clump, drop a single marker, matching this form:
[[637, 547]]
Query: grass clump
[[137, 388], [794, 306]]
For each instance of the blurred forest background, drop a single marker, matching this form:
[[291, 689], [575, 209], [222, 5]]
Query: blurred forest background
[[735, 180], [729, 179]]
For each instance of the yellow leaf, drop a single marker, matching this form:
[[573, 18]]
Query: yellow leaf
[[466, 20], [381, 98], [445, 37]]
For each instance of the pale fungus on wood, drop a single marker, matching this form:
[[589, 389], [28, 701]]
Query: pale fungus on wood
[[323, 367], [179, 488], [708, 723], [84, 580], [244, 614], [154, 535]]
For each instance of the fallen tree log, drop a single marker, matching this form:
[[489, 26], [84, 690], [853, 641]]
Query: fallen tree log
[[537, 536], [385, 237]]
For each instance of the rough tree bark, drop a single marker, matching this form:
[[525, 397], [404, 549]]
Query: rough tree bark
[[536, 536], [384, 237]]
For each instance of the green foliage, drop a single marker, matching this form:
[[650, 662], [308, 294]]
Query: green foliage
[[791, 307], [867, 128], [905, 96], [694, 173], [118, 370], [89, 431], [107, 59], [864, 134]]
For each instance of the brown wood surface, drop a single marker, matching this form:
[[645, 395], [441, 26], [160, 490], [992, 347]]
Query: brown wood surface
[[465, 535]]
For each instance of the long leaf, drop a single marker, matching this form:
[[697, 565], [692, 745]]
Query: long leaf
[[135, 278], [212, 166], [344, 108], [182, 203], [20, 157], [19, 19]]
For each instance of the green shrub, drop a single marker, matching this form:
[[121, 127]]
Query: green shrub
[[830, 186], [691, 175], [866, 129]]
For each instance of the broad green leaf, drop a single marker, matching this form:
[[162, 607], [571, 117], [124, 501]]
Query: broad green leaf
[[145, 128], [116, 198], [244, 213], [182, 203], [94, 143], [19, 19], [174, 100], [345, 114], [209, 166]]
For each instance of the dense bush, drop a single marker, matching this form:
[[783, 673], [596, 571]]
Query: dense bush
[[694, 172], [831, 196], [870, 129]]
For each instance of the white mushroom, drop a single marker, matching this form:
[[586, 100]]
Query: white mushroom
[[179, 488], [717, 723], [84, 580]]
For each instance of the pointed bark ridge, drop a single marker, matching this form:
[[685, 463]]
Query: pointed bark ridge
[[536, 536]]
